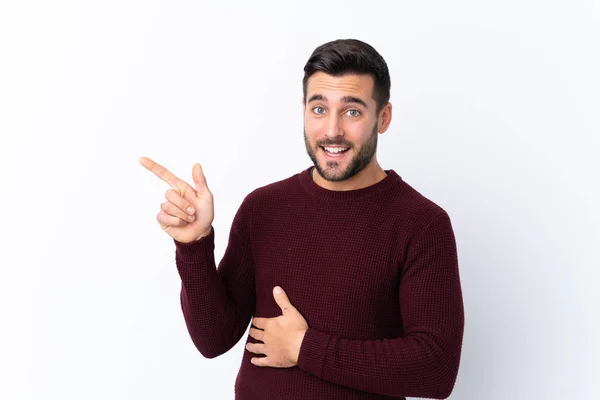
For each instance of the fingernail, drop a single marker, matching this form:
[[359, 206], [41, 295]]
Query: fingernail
[[277, 290], [190, 210]]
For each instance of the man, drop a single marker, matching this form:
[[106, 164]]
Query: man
[[351, 274]]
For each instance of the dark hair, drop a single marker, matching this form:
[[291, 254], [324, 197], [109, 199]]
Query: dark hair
[[344, 56]]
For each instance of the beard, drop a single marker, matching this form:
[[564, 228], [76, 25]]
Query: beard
[[332, 171]]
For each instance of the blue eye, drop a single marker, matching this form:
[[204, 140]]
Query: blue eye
[[357, 113], [318, 107]]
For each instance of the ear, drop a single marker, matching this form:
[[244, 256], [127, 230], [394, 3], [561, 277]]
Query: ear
[[385, 118]]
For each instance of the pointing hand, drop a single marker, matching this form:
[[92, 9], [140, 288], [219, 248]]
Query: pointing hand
[[188, 213]]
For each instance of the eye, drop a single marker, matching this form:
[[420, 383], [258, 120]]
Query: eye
[[318, 109], [353, 113]]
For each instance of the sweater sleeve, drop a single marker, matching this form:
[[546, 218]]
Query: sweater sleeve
[[422, 363], [217, 303]]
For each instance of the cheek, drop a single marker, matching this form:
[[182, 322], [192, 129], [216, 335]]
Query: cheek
[[358, 128], [359, 132], [351, 133], [312, 125], [312, 130]]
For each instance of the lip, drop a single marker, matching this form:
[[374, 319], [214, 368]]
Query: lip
[[336, 157]]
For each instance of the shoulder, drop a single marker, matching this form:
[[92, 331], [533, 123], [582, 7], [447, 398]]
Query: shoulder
[[414, 209], [272, 192]]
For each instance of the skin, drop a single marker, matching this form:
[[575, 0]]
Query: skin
[[329, 119], [281, 336]]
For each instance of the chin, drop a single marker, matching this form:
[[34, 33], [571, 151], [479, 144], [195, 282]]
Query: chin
[[335, 174]]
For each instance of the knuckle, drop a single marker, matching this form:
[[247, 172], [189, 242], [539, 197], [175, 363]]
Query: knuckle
[[172, 195], [175, 199], [181, 188]]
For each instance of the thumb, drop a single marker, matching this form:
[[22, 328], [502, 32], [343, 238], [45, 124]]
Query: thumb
[[199, 179], [282, 300]]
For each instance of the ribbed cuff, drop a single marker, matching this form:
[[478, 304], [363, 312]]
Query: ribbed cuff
[[313, 351], [197, 251]]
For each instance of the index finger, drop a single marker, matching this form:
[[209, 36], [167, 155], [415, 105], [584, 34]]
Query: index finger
[[165, 175]]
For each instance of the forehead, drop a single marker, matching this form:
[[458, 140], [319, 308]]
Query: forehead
[[359, 85]]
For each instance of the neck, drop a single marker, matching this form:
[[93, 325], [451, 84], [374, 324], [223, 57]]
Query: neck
[[368, 176]]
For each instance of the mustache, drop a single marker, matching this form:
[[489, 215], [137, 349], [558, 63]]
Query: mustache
[[332, 143]]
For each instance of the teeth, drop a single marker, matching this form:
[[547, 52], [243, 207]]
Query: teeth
[[335, 150]]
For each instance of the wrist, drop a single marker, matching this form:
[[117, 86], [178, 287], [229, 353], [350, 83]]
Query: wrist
[[204, 234], [297, 345]]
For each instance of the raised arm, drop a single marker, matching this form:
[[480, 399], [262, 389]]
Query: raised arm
[[218, 303]]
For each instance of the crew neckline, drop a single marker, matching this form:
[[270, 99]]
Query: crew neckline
[[313, 189]]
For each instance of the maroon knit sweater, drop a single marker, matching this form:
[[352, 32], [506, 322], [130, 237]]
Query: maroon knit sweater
[[374, 272]]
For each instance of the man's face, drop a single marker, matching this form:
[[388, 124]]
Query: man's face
[[340, 124]]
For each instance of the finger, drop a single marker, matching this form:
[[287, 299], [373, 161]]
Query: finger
[[256, 348], [282, 300], [179, 201], [261, 361], [174, 211], [179, 185], [259, 322], [169, 220], [257, 334], [199, 179]]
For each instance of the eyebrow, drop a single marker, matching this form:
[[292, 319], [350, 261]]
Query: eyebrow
[[345, 99]]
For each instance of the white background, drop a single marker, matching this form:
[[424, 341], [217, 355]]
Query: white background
[[496, 119]]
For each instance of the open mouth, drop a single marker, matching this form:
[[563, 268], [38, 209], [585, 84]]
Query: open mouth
[[335, 151]]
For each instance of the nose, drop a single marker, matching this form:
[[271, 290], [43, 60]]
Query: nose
[[334, 126]]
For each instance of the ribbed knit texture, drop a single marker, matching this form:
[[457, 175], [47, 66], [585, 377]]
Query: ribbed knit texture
[[374, 272]]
